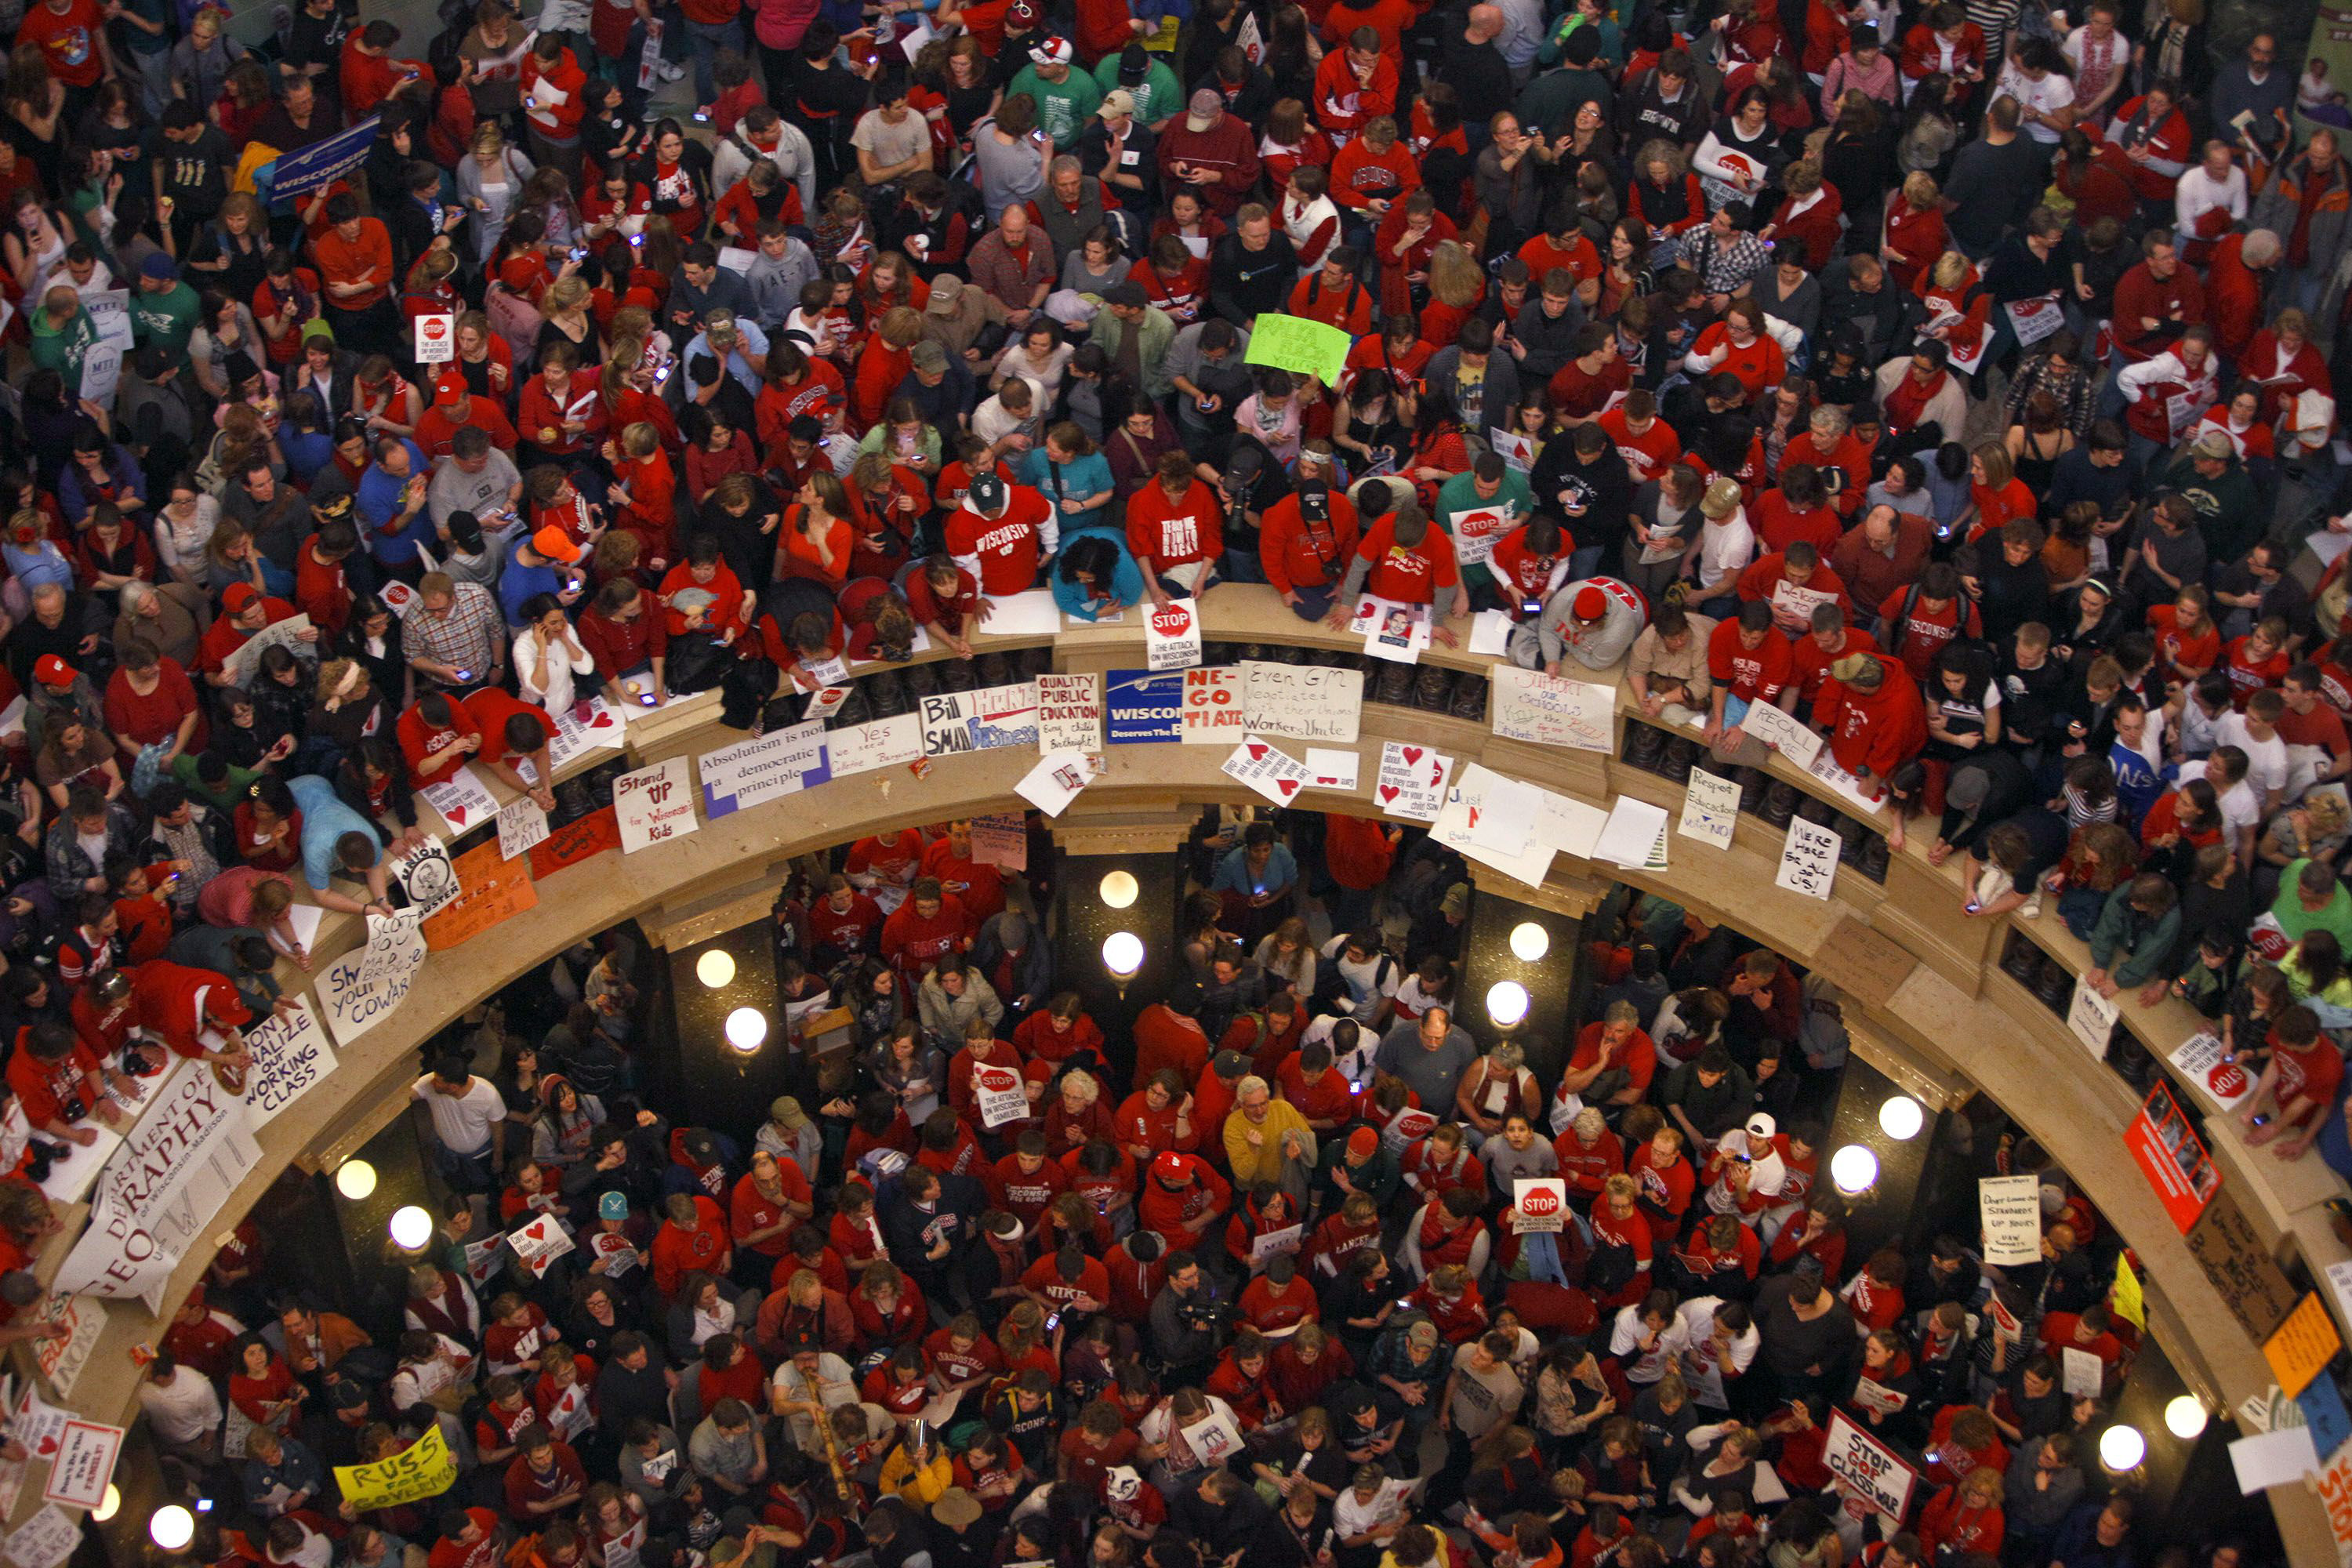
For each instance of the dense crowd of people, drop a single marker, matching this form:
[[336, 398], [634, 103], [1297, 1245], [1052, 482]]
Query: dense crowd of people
[[1956, 378]]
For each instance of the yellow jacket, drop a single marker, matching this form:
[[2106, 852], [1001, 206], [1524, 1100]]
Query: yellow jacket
[[1263, 1162]]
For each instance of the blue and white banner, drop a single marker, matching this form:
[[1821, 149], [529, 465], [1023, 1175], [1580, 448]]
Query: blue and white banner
[[321, 163], [1143, 707], [763, 768]]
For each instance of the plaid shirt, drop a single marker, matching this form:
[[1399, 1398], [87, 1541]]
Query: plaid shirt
[[1725, 271], [472, 636], [2073, 391]]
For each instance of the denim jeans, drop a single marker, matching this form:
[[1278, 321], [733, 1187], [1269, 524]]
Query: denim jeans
[[708, 38]]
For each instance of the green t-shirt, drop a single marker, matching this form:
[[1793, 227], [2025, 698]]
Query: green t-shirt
[[1457, 495], [168, 318], [232, 790], [1157, 96], [2334, 917], [1062, 107]]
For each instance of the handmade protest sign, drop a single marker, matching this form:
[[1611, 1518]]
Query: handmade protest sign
[[1293, 342], [655, 804], [1302, 702]]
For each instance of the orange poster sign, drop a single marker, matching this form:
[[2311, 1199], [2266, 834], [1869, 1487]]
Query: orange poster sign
[[490, 888], [2301, 1348]]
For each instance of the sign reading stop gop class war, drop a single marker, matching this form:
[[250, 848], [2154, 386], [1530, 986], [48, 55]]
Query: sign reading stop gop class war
[[1171, 636], [1214, 709], [1001, 1098], [655, 804], [1541, 1203], [1868, 1470]]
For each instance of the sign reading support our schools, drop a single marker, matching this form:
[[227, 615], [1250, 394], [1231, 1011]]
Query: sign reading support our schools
[[1143, 707]]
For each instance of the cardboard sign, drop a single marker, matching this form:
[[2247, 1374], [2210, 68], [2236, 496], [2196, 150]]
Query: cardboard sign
[[655, 804], [2080, 1373], [1214, 708], [763, 768], [1142, 707], [946, 724], [1538, 1204], [2009, 1208], [1055, 781], [61, 1359], [1549, 710], [1274, 1244], [1069, 712], [880, 744], [435, 339], [1005, 716], [1000, 1095], [424, 1468], [496, 889], [2200, 1062], [1001, 839], [1809, 859], [2173, 1158], [1172, 636], [2239, 1263], [158, 1191], [2301, 1347], [290, 1057], [575, 842], [461, 798], [84, 1463], [1303, 701], [1781, 732], [2091, 1018], [1266, 769], [1869, 1470], [45, 1540], [424, 874], [1411, 781], [355, 1005], [1710, 809], [388, 936], [521, 825]]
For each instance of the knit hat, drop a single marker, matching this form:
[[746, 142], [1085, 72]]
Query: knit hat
[[1589, 604], [1858, 669]]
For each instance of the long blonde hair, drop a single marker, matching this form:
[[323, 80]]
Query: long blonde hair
[[1454, 276]]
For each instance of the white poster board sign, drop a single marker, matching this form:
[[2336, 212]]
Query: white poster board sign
[[290, 1057], [880, 744], [655, 804], [1303, 701], [424, 873], [1411, 782], [2091, 1018], [1809, 859], [1172, 636], [521, 823], [356, 1004], [1539, 1203], [1550, 711], [1710, 809], [1211, 711], [2009, 1208], [1069, 713]]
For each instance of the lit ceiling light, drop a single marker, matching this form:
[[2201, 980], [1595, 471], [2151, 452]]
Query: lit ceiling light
[[1119, 888], [1854, 1169], [172, 1527], [746, 1028], [1900, 1118], [109, 1505], [715, 968], [1507, 1003], [2121, 1449], [355, 1179], [1529, 941], [1122, 954], [411, 1228], [2185, 1416]]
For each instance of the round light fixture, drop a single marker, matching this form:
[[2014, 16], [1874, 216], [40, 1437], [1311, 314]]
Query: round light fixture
[[1123, 953], [1119, 888], [1529, 941], [2184, 1416], [2121, 1449], [355, 1179], [1900, 1118], [411, 1228], [107, 1506], [715, 969], [746, 1028], [1507, 1003], [172, 1527], [1854, 1169]]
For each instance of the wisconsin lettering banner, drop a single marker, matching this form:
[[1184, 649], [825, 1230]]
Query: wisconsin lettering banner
[[321, 163], [158, 1193]]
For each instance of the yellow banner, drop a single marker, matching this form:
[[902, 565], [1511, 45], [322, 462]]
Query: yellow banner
[[423, 1469], [2126, 1299]]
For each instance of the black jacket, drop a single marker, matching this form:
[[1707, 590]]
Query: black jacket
[[1246, 284]]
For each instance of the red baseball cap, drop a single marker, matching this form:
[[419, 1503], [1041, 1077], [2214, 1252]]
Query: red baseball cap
[[1170, 1166], [51, 671], [448, 387], [1589, 604], [238, 595], [1363, 1142]]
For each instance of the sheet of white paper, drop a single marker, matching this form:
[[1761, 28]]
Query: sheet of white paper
[[2273, 1458], [1632, 829], [1490, 632], [1506, 822], [1032, 614], [306, 919], [1570, 827], [1055, 781], [1333, 769]]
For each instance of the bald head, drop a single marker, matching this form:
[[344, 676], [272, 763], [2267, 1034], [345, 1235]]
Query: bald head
[[1485, 22]]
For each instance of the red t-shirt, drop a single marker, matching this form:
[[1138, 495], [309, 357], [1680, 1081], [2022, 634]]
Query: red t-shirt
[[1753, 674], [69, 40], [1409, 576]]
